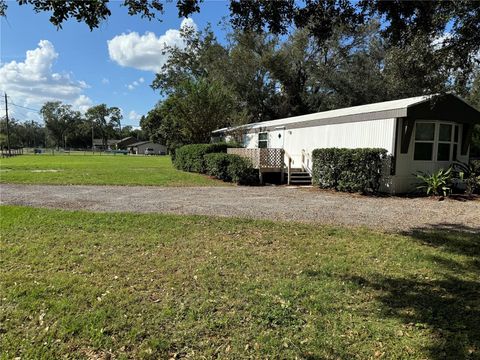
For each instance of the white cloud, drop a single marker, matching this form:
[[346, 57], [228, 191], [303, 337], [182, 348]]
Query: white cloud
[[132, 115], [135, 83], [145, 52], [32, 82], [105, 81], [82, 103]]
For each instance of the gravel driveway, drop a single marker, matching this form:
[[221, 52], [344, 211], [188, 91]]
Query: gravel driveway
[[275, 203]]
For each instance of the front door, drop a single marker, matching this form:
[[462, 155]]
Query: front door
[[276, 138]]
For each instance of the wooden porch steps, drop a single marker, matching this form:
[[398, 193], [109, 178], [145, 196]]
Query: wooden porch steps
[[300, 177]]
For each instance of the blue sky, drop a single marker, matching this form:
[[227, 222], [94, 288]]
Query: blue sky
[[114, 64]]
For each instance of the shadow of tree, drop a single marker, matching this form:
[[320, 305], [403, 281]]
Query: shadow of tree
[[454, 238], [448, 306]]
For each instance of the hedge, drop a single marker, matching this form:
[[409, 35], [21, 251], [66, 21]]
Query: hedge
[[241, 171], [216, 164], [191, 157], [230, 167], [352, 170]]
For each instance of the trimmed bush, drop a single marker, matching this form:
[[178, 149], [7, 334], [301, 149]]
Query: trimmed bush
[[351, 170], [191, 157], [231, 167], [241, 171], [216, 164]]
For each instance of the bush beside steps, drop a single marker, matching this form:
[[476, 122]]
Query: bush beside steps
[[191, 157], [350, 170], [213, 160]]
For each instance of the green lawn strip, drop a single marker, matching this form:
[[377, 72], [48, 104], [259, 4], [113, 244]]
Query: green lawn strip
[[85, 284], [98, 170]]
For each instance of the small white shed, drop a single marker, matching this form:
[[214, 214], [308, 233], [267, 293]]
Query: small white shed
[[140, 147], [422, 133]]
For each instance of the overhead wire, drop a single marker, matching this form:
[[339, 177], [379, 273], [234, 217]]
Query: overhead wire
[[23, 107]]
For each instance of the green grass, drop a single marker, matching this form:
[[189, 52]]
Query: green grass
[[97, 170], [85, 285]]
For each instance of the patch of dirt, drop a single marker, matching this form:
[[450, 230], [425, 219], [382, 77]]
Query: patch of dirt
[[45, 171]]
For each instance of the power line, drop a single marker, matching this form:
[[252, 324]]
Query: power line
[[24, 107], [21, 113]]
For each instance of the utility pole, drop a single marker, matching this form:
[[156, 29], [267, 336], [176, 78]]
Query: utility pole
[[8, 126], [93, 151]]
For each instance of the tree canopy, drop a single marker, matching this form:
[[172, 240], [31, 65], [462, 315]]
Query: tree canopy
[[105, 121], [286, 58], [268, 76]]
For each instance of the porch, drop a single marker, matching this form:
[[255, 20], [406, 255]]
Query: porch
[[276, 160]]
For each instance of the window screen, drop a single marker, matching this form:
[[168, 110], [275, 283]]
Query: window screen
[[263, 140], [423, 151], [424, 141], [425, 131]]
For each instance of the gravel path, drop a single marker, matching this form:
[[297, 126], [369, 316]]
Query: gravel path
[[275, 203]]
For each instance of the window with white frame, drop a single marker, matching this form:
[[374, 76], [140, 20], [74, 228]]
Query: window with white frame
[[424, 141], [455, 142], [262, 140], [435, 141]]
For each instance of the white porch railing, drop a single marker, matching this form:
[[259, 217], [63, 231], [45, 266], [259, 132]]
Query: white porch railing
[[306, 161]]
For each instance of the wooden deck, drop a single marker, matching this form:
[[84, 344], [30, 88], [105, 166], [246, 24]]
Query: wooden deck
[[266, 160], [276, 160]]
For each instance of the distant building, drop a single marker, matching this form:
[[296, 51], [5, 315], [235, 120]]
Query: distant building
[[125, 142], [147, 148], [98, 144]]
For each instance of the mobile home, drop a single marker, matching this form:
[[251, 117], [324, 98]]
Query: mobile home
[[422, 133]]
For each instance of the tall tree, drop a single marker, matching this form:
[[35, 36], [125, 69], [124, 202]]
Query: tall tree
[[409, 28], [191, 113], [105, 120], [60, 121], [201, 57]]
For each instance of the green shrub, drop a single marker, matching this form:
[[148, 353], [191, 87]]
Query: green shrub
[[241, 171], [231, 167], [467, 174], [436, 182], [216, 164], [352, 170], [191, 157]]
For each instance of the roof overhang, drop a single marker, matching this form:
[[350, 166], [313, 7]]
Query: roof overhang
[[436, 107], [445, 107]]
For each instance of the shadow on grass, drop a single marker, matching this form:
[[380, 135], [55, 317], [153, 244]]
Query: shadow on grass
[[448, 307]]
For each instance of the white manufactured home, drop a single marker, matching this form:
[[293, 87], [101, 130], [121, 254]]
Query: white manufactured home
[[421, 134]]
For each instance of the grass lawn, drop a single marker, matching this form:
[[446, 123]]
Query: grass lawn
[[80, 284], [97, 170]]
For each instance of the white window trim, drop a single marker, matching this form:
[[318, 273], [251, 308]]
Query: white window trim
[[258, 139], [436, 140]]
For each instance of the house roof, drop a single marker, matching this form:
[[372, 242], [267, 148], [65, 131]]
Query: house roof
[[143, 143], [109, 142], [127, 140], [444, 107], [139, 143]]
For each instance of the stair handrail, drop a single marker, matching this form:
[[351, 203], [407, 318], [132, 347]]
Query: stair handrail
[[289, 166], [306, 161]]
